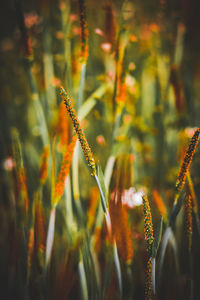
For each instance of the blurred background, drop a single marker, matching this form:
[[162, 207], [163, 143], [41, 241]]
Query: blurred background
[[132, 71]]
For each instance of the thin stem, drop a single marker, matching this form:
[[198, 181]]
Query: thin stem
[[82, 84], [103, 200]]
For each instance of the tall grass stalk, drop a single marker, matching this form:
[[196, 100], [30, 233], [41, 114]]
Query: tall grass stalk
[[83, 279], [50, 236], [118, 269]]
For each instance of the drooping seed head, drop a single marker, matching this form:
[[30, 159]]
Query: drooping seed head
[[180, 182], [77, 127]]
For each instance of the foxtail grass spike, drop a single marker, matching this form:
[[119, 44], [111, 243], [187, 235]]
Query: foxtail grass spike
[[148, 280], [188, 216], [84, 31], [193, 195], [148, 226], [81, 136], [187, 160]]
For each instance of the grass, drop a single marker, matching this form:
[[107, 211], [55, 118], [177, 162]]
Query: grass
[[99, 153]]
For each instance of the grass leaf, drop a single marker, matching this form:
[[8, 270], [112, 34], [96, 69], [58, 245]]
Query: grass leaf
[[157, 238]]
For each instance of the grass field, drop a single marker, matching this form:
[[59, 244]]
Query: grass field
[[99, 174]]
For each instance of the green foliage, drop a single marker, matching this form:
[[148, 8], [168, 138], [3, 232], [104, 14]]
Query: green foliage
[[131, 70]]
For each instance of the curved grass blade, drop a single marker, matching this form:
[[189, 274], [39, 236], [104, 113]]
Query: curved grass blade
[[107, 177], [82, 84], [103, 199], [102, 188], [50, 236], [90, 102], [154, 275], [157, 238], [155, 247], [176, 208], [83, 279], [118, 269], [168, 237]]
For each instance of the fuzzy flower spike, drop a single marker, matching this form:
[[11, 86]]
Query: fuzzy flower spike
[[81, 136], [84, 31], [148, 226], [180, 182]]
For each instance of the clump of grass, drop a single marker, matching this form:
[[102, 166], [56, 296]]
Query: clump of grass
[[54, 241]]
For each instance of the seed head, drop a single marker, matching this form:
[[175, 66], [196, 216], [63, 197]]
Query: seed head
[[148, 280], [148, 227], [84, 30], [187, 160], [81, 136]]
